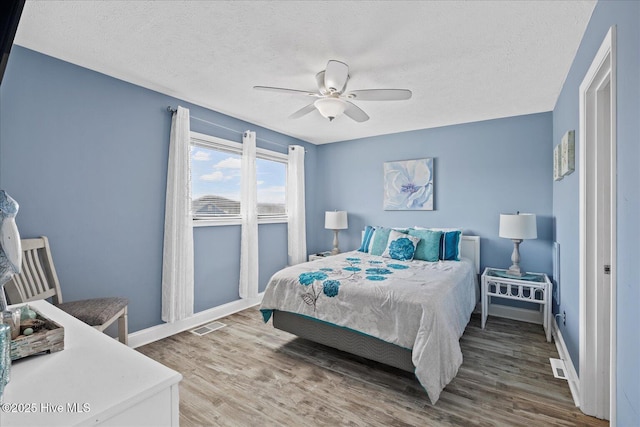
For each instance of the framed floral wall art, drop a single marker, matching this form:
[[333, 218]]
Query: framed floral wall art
[[408, 185]]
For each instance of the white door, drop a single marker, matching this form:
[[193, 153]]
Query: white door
[[597, 164]]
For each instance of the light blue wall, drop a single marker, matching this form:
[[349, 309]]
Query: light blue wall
[[625, 15], [85, 155], [481, 169]]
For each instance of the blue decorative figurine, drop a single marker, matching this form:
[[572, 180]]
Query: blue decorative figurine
[[10, 248], [10, 260]]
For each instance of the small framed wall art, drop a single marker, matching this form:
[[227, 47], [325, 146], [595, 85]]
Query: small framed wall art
[[564, 156], [408, 185], [568, 153], [557, 176]]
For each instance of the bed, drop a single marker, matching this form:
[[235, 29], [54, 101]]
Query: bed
[[406, 314]]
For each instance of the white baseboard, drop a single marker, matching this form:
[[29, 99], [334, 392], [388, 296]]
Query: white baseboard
[[573, 379], [155, 333], [516, 313]]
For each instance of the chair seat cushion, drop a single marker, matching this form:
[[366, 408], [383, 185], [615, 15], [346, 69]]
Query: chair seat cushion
[[95, 311]]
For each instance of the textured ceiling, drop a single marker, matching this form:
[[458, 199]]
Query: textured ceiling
[[464, 60]]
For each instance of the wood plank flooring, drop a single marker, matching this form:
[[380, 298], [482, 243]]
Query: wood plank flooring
[[250, 374]]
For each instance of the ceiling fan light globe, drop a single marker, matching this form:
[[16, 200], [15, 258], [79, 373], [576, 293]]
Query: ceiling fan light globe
[[330, 107]]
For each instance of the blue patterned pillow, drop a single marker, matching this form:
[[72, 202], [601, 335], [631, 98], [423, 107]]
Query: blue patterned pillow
[[366, 238], [428, 248], [401, 246]]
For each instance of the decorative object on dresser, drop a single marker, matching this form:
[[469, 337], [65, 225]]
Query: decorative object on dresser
[[335, 220], [517, 227], [38, 280], [10, 249], [408, 185], [45, 335], [10, 260]]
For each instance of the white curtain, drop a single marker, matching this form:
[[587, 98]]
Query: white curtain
[[297, 235], [249, 212], [177, 256]]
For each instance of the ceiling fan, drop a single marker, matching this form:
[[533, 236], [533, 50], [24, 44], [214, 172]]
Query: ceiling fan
[[333, 100]]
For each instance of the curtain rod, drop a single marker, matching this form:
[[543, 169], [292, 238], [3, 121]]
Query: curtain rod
[[173, 110]]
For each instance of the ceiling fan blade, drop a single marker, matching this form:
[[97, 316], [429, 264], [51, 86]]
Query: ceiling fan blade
[[303, 111], [354, 112], [320, 81], [379, 94], [284, 90], [336, 76]]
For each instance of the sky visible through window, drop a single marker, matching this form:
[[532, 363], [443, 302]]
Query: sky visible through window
[[215, 172]]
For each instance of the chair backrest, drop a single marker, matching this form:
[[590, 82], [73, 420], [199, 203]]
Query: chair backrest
[[37, 279]]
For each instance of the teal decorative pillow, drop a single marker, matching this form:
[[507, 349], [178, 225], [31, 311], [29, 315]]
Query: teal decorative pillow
[[379, 240], [366, 238], [428, 248], [450, 246], [450, 243], [401, 246]]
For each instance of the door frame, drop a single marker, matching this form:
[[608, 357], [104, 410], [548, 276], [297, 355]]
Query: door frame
[[593, 393]]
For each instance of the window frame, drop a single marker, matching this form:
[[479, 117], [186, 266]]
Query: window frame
[[214, 143]]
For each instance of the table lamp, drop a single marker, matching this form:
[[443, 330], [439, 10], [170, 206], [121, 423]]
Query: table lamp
[[335, 220], [517, 227]]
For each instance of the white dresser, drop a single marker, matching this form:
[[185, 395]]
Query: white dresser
[[94, 380]]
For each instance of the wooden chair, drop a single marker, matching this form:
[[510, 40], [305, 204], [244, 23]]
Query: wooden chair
[[38, 280]]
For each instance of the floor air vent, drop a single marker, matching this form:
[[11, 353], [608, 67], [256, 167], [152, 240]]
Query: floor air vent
[[209, 327], [558, 368]]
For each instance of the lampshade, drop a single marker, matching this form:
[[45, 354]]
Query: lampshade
[[518, 226], [330, 107], [335, 220]]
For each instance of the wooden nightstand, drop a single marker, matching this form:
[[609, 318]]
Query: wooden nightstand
[[319, 255], [530, 287]]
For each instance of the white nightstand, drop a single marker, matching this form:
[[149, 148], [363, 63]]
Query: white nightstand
[[319, 255], [530, 287]]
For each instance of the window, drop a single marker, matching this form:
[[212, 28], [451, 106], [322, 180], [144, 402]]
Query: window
[[272, 177], [215, 182]]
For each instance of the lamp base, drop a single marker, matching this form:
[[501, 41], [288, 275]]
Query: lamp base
[[335, 250], [514, 271]]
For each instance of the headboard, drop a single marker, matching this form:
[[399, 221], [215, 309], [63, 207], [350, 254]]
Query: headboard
[[470, 248]]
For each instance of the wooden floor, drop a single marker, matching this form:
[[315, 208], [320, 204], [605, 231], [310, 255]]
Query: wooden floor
[[250, 374]]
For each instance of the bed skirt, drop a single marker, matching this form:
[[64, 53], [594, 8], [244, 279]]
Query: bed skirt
[[344, 339]]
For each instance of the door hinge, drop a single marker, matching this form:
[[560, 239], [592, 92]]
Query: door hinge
[[607, 269]]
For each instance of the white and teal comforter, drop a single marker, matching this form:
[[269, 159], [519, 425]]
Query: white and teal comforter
[[418, 305]]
